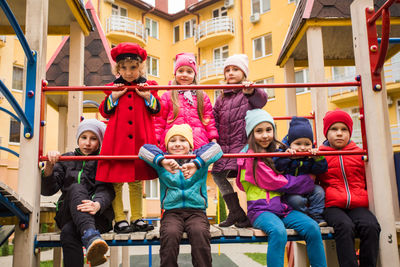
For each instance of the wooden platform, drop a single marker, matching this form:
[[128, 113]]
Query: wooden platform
[[13, 208], [218, 235]]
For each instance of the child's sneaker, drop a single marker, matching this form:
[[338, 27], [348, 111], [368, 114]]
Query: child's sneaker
[[319, 219], [122, 227], [95, 246], [140, 226]]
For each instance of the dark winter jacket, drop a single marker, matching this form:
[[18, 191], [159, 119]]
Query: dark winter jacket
[[66, 173], [229, 113]]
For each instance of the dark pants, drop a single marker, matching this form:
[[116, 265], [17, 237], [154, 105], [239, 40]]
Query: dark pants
[[73, 223], [348, 224], [192, 221]]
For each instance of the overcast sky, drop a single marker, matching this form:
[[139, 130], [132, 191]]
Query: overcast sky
[[174, 6]]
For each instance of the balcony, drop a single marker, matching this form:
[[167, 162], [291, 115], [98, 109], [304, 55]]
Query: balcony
[[2, 40], [123, 29], [211, 73], [343, 94], [214, 30], [394, 130]]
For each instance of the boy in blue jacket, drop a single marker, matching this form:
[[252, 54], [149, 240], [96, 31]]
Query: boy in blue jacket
[[183, 191], [300, 139]]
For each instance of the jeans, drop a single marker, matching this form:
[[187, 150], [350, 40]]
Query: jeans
[[275, 228], [312, 203], [348, 224]]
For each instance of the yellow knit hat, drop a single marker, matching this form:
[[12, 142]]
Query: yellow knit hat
[[180, 129]]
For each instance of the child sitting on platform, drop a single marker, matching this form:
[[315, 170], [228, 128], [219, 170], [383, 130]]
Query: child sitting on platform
[[84, 208], [264, 186], [346, 201], [300, 139], [183, 191]]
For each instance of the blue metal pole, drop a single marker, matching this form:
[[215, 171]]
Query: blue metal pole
[[391, 40], [10, 113], [13, 102], [14, 23], [9, 150]]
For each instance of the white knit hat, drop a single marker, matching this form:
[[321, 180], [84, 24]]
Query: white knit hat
[[93, 125], [239, 60]]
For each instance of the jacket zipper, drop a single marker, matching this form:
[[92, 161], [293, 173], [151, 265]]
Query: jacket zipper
[[80, 172], [204, 199], [165, 196], [346, 183], [182, 189]]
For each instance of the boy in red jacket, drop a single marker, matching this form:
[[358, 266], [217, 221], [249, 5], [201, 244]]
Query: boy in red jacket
[[346, 197]]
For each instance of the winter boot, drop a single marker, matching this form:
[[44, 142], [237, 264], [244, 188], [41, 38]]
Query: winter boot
[[236, 214], [96, 247]]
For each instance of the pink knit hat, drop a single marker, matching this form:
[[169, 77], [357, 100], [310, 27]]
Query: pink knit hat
[[185, 59], [239, 60]]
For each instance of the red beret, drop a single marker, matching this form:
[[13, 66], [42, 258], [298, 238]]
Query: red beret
[[124, 50], [338, 115]]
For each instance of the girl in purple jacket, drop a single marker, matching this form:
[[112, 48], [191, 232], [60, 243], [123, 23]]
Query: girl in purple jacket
[[264, 187], [191, 107], [229, 113]]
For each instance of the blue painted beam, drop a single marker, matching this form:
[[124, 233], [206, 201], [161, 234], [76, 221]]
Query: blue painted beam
[[24, 218], [10, 113], [391, 40], [14, 23], [9, 150], [17, 108]]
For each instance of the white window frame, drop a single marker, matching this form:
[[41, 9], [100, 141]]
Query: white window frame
[[118, 8], [150, 31], [148, 185], [269, 91], [222, 49], [179, 34], [349, 72], [222, 12], [261, 7], [192, 25], [305, 80], [149, 63], [264, 54], [9, 134], [22, 79]]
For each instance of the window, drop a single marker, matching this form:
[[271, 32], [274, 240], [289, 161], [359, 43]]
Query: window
[[262, 46], [260, 6], [217, 93], [220, 12], [269, 91], [152, 28], [354, 113], [15, 131], [189, 28], [221, 53], [118, 11], [293, 1], [17, 78], [152, 189], [301, 76], [152, 66], [176, 34], [341, 73]]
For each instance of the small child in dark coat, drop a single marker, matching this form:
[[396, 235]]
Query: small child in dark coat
[[84, 209], [300, 139]]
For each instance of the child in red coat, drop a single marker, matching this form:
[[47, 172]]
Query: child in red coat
[[346, 197], [129, 127]]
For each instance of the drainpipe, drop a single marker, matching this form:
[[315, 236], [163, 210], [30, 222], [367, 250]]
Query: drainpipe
[[148, 11], [198, 22], [241, 25]]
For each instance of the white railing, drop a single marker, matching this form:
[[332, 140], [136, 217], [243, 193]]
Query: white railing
[[215, 25], [394, 130], [127, 25], [342, 90], [211, 69]]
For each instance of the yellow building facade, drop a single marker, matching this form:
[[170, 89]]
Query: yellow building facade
[[212, 30]]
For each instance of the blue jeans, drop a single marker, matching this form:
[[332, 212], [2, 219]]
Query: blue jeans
[[275, 228], [312, 203]]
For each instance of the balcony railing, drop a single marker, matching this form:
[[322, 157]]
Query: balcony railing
[[394, 130], [215, 25], [392, 72], [211, 69], [127, 25], [342, 90]]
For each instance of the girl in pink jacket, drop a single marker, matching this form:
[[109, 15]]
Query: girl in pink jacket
[[185, 106]]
